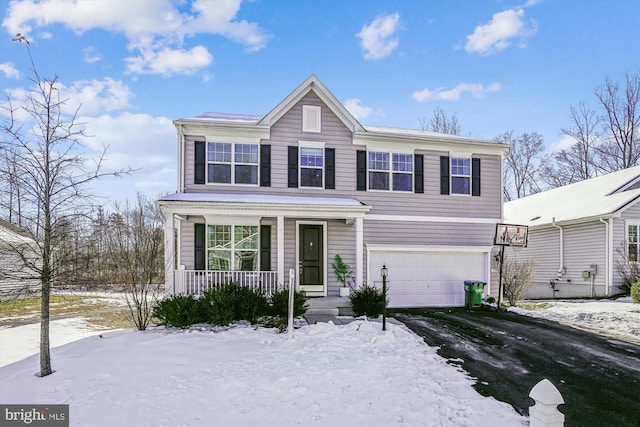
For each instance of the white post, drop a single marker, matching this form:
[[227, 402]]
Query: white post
[[280, 249], [359, 252], [169, 254], [292, 274], [545, 412]]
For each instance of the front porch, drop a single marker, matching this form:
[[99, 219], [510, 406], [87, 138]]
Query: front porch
[[195, 282]]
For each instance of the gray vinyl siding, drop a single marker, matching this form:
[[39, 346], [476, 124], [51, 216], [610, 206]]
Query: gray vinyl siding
[[544, 251], [584, 245], [630, 215], [288, 132], [187, 242], [409, 233]]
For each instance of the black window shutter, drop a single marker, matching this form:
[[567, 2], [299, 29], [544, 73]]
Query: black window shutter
[[265, 248], [418, 170], [361, 170], [200, 247], [293, 167], [444, 174], [330, 168], [200, 162], [265, 166], [475, 177]]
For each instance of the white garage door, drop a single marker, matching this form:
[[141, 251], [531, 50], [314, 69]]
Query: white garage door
[[428, 279]]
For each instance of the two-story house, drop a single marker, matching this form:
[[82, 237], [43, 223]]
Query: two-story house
[[262, 196]]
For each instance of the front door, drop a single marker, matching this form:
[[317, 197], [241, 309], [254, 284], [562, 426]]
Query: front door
[[311, 258]]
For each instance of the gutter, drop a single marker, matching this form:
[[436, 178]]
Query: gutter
[[561, 269]]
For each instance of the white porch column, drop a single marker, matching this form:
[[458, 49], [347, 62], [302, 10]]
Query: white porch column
[[169, 253], [359, 251], [280, 253]]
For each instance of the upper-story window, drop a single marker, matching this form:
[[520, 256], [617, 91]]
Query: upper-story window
[[229, 163], [460, 175], [390, 171], [311, 118], [311, 167]]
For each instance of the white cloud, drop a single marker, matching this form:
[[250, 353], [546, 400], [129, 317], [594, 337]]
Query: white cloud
[[170, 61], [476, 90], [96, 96], [9, 70], [90, 55], [157, 29], [356, 109], [377, 39], [499, 32]]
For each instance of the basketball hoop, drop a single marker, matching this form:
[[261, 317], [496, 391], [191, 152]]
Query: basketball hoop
[[511, 235]]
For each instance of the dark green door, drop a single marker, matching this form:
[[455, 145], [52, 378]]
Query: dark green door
[[311, 257]]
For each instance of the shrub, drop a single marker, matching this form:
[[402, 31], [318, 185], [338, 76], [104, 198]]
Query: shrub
[[223, 305], [280, 302], [635, 292], [368, 301], [516, 278], [179, 311]]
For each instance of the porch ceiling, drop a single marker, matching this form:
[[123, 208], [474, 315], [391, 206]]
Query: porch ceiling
[[262, 205]]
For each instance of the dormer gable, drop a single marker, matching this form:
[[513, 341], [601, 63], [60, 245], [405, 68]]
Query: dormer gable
[[312, 84]]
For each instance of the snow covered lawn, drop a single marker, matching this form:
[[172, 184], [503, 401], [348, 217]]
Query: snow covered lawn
[[618, 318], [327, 375]]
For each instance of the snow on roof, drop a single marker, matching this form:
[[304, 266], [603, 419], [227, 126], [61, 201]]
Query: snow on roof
[[241, 119], [383, 130], [591, 198], [258, 199]]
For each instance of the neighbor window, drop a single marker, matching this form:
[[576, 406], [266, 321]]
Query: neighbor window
[[632, 241], [229, 163], [311, 166], [460, 175], [396, 174], [232, 247]]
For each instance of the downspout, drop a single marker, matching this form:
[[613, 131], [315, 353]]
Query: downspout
[[608, 264], [561, 268], [181, 155]]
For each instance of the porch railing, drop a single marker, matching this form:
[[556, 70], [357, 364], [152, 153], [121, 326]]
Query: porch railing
[[195, 282]]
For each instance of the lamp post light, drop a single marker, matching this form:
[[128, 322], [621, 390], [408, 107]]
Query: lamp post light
[[384, 273]]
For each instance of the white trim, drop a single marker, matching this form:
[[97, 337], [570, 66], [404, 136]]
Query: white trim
[[324, 256], [451, 219], [231, 220], [310, 144], [280, 249], [428, 248], [359, 251]]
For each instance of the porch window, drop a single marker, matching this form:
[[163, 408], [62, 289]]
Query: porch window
[[460, 175], [229, 163], [396, 174], [311, 166], [232, 247], [632, 242]]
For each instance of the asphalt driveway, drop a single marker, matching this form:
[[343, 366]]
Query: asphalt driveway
[[598, 377]]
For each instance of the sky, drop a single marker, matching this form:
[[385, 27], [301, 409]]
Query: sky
[[135, 66]]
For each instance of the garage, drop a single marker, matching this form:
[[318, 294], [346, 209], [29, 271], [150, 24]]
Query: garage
[[427, 278]]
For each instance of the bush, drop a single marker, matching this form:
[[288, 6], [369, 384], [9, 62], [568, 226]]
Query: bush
[[179, 311], [516, 279], [231, 302], [368, 301], [635, 292], [280, 302]]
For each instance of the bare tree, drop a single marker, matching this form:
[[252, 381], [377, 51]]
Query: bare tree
[[51, 173], [442, 123], [517, 277], [135, 250], [621, 123], [520, 169]]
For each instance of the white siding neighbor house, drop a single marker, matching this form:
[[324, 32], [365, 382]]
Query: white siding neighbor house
[[16, 248], [260, 196], [580, 234]]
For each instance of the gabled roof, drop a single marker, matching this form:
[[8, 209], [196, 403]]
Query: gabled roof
[[315, 85], [601, 197]]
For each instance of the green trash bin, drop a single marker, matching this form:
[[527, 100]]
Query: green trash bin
[[473, 292]]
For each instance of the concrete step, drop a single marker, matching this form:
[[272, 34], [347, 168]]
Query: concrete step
[[333, 306], [322, 311]]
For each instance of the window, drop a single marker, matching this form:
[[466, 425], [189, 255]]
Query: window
[[232, 247], [384, 176], [232, 163], [311, 166], [632, 241], [460, 175], [311, 118]]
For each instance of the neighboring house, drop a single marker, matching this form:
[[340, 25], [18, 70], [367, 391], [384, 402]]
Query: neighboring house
[[592, 225], [260, 196], [16, 247]]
